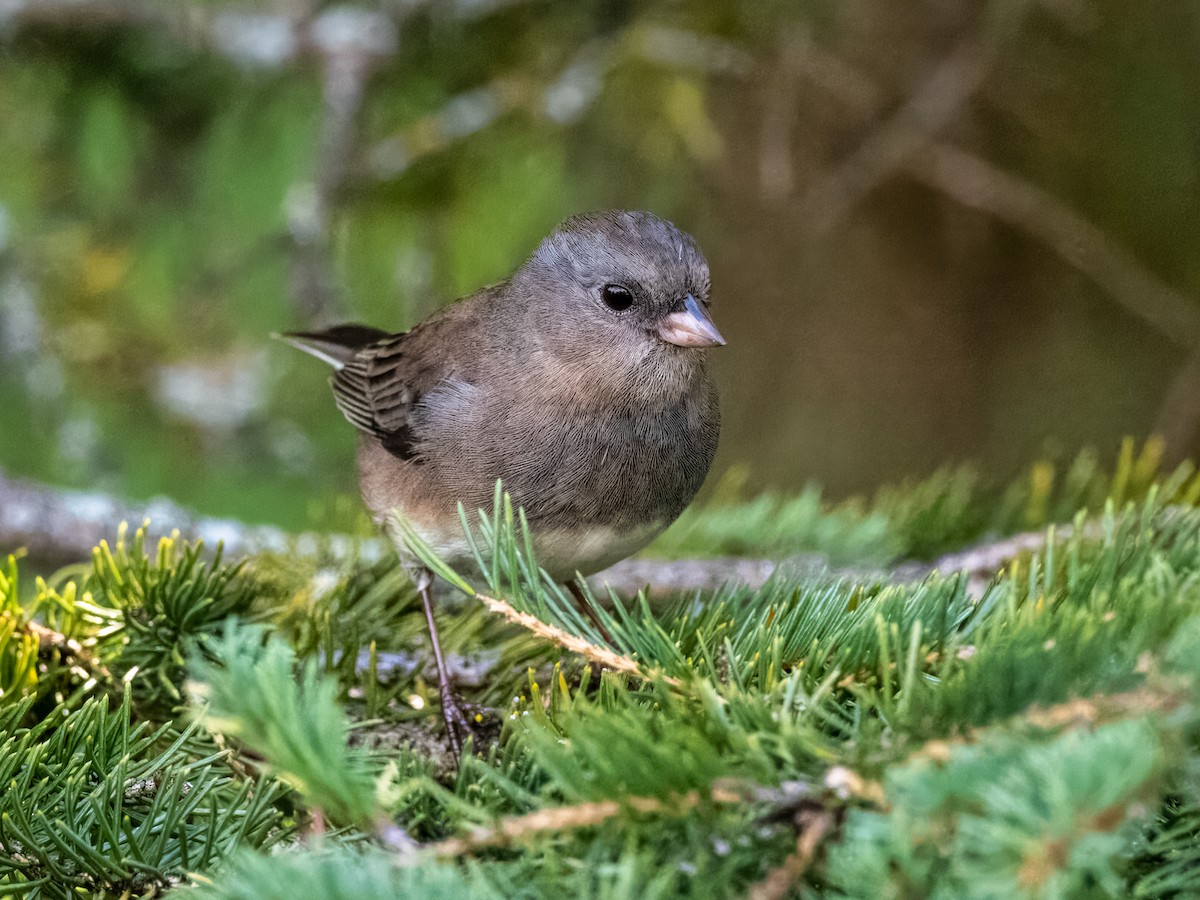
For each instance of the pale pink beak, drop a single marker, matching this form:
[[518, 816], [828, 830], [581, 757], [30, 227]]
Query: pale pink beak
[[690, 327]]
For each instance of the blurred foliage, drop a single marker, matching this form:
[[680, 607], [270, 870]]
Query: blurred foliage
[[152, 188], [922, 518]]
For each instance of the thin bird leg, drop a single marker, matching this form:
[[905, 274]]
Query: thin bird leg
[[586, 608], [457, 725]]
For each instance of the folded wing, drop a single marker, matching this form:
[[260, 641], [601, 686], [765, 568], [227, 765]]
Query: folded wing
[[377, 380]]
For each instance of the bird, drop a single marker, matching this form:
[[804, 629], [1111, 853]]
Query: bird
[[581, 383]]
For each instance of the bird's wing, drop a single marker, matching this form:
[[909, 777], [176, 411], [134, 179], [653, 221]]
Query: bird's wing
[[374, 381], [379, 387], [380, 378]]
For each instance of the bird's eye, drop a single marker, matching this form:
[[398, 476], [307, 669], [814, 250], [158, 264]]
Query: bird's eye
[[616, 297]]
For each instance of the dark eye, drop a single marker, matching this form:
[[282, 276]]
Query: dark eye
[[616, 297]]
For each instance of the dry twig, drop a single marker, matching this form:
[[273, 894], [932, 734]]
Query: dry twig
[[814, 825], [602, 655], [580, 815]]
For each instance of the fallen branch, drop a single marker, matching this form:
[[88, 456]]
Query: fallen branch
[[661, 577], [983, 563], [59, 526]]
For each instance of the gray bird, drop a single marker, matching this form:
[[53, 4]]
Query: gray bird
[[580, 382]]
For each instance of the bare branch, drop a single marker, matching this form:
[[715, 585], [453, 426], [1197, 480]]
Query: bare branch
[[931, 106], [907, 142], [976, 183]]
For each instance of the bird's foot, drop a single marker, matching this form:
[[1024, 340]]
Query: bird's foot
[[585, 606], [459, 726]]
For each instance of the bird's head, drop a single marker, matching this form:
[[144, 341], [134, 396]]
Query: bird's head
[[622, 281]]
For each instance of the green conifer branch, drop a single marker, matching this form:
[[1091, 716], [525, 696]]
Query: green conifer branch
[[96, 804], [289, 714], [821, 732]]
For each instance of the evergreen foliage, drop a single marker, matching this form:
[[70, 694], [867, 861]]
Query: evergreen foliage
[[254, 697], [822, 735], [18, 645], [919, 520], [165, 606], [96, 805]]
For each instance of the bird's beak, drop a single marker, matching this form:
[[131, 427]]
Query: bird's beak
[[690, 327]]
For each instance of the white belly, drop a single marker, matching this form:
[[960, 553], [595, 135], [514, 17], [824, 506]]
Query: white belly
[[565, 552]]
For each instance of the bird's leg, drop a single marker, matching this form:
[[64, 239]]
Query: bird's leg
[[457, 726], [586, 608]]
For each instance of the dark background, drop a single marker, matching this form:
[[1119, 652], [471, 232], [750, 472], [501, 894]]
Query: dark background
[[938, 230]]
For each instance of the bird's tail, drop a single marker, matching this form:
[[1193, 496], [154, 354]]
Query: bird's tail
[[336, 345]]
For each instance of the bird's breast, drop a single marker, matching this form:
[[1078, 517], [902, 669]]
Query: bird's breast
[[623, 465], [597, 481]]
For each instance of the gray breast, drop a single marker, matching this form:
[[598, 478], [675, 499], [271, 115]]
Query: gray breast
[[625, 465]]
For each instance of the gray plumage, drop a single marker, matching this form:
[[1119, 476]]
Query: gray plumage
[[601, 422]]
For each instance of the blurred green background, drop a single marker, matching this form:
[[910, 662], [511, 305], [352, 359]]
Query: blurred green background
[[938, 230]]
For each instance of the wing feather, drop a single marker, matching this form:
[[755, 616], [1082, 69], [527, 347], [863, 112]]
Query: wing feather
[[381, 382], [379, 389]]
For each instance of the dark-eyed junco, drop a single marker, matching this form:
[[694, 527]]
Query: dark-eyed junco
[[580, 382]]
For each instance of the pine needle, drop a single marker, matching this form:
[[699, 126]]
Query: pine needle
[[1076, 713]]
